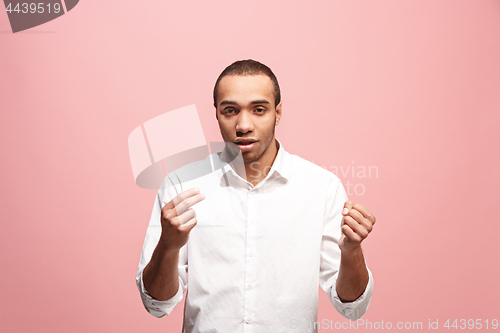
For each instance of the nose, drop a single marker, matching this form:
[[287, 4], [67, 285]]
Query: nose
[[244, 123]]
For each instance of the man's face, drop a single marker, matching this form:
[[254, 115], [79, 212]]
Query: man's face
[[246, 114]]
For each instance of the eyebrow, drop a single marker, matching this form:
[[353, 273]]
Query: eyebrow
[[259, 101]]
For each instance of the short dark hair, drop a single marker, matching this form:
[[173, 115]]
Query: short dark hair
[[249, 67]]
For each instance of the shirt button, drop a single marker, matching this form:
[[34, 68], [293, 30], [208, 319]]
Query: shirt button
[[248, 320], [249, 287], [250, 255], [252, 192]]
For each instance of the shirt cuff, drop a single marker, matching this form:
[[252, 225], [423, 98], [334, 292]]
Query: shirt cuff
[[355, 309], [155, 307]]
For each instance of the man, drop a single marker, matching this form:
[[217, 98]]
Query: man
[[266, 230]]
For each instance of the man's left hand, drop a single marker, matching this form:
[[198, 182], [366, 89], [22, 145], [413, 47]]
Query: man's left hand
[[357, 224]]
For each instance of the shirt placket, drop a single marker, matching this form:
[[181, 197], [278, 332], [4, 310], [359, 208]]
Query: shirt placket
[[250, 265]]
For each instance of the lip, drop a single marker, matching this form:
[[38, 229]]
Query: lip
[[246, 147], [245, 144], [244, 141]]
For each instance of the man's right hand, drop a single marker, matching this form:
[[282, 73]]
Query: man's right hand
[[177, 219]]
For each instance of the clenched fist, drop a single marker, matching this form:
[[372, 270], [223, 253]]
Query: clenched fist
[[356, 225], [177, 219]]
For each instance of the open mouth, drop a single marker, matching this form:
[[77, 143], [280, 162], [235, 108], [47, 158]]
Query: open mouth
[[245, 144]]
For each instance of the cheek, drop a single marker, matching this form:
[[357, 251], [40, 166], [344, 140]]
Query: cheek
[[270, 124], [225, 129]]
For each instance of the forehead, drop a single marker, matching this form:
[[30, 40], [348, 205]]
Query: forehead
[[244, 89]]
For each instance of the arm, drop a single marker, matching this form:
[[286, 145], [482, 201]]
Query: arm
[[353, 275], [177, 220], [344, 275], [161, 276]]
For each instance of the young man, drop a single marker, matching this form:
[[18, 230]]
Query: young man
[[269, 227]]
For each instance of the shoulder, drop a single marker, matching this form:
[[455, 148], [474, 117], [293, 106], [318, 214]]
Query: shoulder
[[300, 166], [314, 180]]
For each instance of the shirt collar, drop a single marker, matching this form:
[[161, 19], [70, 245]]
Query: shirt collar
[[280, 168]]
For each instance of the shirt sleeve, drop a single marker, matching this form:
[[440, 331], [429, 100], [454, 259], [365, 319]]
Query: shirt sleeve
[[330, 255], [153, 306]]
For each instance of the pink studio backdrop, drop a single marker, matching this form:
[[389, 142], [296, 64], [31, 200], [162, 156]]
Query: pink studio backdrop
[[408, 88]]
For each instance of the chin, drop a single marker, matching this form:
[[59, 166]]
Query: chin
[[250, 158]]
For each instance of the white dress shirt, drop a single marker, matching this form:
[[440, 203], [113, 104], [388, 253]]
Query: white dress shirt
[[258, 253]]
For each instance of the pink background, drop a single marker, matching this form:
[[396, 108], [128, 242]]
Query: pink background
[[411, 87]]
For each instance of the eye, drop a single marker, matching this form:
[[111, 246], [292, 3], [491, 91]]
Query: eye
[[260, 110], [229, 111]]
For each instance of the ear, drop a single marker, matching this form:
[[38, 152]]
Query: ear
[[216, 113], [278, 113]]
